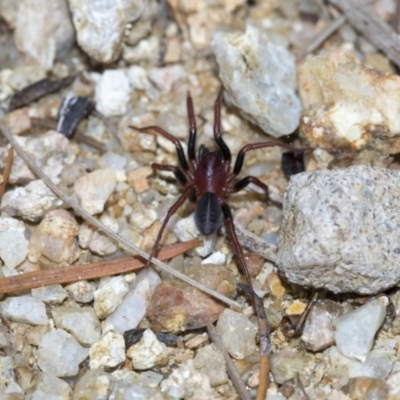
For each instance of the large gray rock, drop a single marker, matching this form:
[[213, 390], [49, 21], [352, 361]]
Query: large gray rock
[[341, 230]]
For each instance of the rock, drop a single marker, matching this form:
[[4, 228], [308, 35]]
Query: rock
[[350, 110], [112, 93], [138, 77], [94, 385], [43, 30], [60, 354], [184, 380], [49, 387], [133, 307], [237, 334], [258, 73], [80, 322], [109, 295], [165, 78], [177, 306], [218, 258], [101, 245], [55, 239], [355, 331], [18, 121], [100, 28], [13, 245], [339, 230], [24, 309], [377, 365], [30, 202], [82, 291], [365, 388], [7, 379], [93, 190], [185, 229], [393, 381], [287, 364], [318, 328], [136, 391], [210, 361], [50, 150], [142, 217], [108, 352], [148, 352], [51, 294]]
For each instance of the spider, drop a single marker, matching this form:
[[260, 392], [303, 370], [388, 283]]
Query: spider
[[208, 180]]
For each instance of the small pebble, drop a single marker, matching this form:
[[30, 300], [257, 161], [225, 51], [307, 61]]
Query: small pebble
[[13, 244], [82, 291], [218, 258], [93, 385], [148, 352], [365, 388], [24, 309], [112, 93], [93, 190], [237, 334], [10, 387], [209, 361], [60, 354], [100, 244], [50, 387], [164, 78], [142, 217], [109, 295], [318, 328], [51, 294], [80, 322], [355, 331], [133, 307], [108, 352], [55, 239]]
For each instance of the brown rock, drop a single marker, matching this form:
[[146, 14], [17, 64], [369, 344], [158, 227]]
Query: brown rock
[[366, 388], [177, 306]]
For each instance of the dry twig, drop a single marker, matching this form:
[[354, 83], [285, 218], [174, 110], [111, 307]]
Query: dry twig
[[107, 231], [377, 32], [7, 171], [77, 273]]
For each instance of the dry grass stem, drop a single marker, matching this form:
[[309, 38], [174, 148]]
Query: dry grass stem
[[7, 171]]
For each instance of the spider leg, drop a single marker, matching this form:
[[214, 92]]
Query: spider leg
[[188, 191], [226, 154], [253, 146], [193, 130], [174, 140], [238, 186], [179, 175], [257, 305]]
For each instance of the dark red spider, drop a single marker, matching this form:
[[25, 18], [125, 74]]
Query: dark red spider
[[208, 180]]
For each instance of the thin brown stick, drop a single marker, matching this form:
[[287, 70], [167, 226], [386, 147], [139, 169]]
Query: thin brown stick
[[77, 273], [232, 371], [7, 171], [377, 32], [107, 231]]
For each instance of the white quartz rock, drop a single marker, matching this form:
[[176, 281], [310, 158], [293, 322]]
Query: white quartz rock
[[94, 385], [218, 258], [108, 352], [50, 387], [60, 354], [112, 93], [148, 352], [100, 26], [237, 334], [80, 322], [164, 78], [133, 307], [109, 295], [55, 238], [138, 77], [13, 245], [9, 387], [142, 217], [185, 229], [101, 245], [24, 309], [43, 30], [259, 77], [93, 190], [355, 331], [82, 291], [30, 202], [51, 294]]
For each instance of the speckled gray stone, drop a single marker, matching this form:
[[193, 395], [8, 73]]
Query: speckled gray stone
[[341, 230]]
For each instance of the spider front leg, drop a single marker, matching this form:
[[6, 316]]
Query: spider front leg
[[179, 175], [258, 306], [192, 130], [226, 154], [185, 195]]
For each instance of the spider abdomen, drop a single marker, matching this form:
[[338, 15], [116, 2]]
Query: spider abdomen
[[208, 214]]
